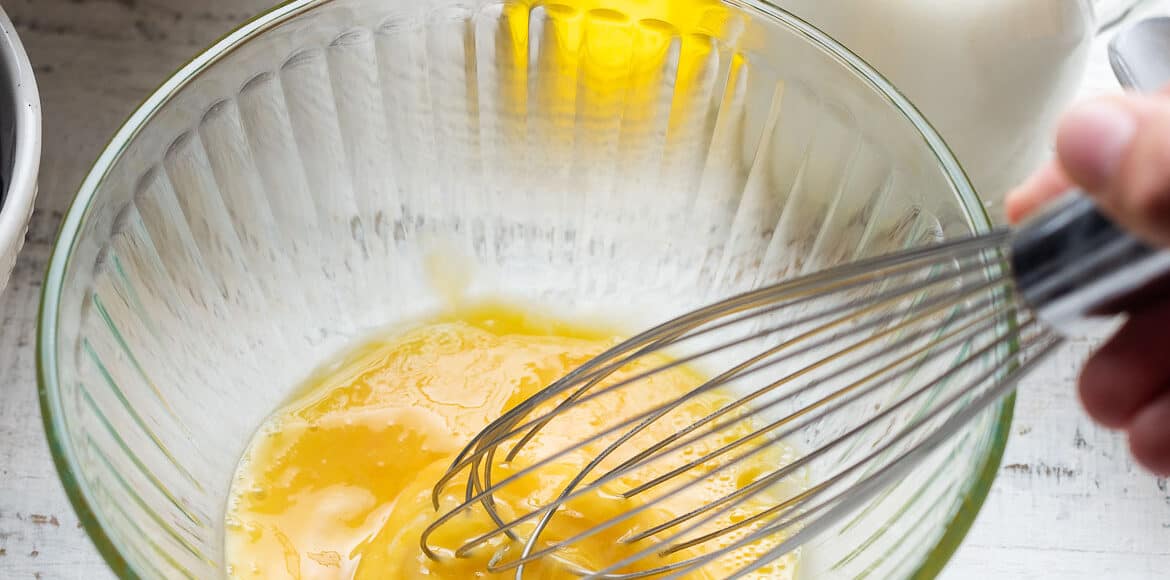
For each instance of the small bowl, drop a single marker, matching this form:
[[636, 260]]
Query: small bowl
[[20, 145], [284, 193]]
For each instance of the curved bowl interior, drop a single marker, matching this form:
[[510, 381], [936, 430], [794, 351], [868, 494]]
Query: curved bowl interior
[[296, 186]]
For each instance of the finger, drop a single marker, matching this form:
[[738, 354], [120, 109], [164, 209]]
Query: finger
[[1044, 186], [1118, 150], [1093, 139], [1129, 371], [1149, 435], [1139, 198]]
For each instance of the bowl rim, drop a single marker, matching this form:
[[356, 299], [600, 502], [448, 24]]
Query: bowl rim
[[21, 190], [52, 404]]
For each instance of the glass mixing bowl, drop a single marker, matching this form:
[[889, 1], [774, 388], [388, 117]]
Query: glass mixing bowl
[[304, 181]]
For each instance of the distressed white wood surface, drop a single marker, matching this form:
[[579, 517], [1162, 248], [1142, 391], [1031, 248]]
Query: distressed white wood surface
[[1068, 502]]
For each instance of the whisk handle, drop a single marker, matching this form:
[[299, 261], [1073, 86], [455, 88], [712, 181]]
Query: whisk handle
[[1073, 264]]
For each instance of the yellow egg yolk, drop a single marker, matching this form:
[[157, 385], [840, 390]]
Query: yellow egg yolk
[[338, 483]]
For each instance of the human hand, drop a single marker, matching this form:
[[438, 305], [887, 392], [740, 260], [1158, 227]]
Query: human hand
[[1117, 150]]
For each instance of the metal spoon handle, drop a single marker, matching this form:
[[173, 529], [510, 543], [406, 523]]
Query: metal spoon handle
[[1140, 55]]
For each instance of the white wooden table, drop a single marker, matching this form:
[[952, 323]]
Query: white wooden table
[[1068, 502]]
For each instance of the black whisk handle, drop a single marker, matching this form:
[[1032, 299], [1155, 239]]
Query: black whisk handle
[[1073, 263]]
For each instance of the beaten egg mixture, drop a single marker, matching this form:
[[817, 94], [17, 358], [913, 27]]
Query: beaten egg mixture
[[338, 483]]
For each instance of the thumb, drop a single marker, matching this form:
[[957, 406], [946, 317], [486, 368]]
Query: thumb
[[1118, 150]]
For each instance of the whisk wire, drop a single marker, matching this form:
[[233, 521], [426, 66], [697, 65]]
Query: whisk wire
[[806, 288], [757, 393], [870, 486], [817, 490], [933, 306], [743, 493], [841, 394], [470, 453], [1047, 341]]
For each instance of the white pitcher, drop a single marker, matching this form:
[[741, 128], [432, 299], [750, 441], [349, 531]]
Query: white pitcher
[[991, 75]]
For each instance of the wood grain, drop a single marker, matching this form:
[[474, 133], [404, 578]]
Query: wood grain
[[1068, 502]]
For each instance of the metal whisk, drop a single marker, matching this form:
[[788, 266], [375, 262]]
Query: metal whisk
[[863, 370]]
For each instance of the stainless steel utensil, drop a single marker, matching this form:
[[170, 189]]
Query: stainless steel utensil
[[1138, 54], [816, 346]]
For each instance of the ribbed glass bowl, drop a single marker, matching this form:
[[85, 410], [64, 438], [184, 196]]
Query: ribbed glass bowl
[[294, 186]]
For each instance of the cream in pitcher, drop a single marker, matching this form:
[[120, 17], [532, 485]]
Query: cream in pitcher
[[991, 75]]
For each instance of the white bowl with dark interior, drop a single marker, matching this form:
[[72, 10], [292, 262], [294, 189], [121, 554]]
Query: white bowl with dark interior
[[20, 145]]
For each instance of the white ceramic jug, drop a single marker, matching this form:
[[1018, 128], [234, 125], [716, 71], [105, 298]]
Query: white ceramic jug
[[991, 75]]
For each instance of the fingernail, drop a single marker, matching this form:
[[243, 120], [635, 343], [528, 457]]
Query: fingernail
[[1093, 139]]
